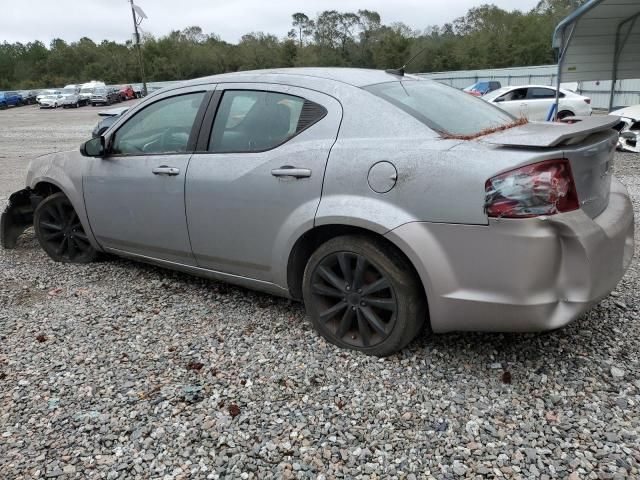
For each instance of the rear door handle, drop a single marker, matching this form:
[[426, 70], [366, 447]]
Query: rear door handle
[[165, 170], [288, 171]]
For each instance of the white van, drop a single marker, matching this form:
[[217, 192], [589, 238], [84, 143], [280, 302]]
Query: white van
[[86, 90]]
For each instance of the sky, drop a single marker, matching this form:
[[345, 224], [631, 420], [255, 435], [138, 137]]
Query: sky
[[28, 20]]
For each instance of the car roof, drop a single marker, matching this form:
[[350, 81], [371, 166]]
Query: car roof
[[357, 77]]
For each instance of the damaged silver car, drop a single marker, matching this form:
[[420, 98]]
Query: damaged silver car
[[629, 128], [384, 201]]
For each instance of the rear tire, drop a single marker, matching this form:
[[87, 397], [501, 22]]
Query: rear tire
[[363, 295], [564, 114], [60, 232]]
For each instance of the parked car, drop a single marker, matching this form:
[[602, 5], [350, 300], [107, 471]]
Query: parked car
[[533, 102], [51, 101], [44, 93], [29, 97], [87, 89], [127, 93], [71, 97], [137, 89], [287, 181], [482, 88], [111, 116], [104, 96], [629, 128], [10, 99]]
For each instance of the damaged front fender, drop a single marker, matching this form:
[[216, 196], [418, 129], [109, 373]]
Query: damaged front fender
[[17, 217]]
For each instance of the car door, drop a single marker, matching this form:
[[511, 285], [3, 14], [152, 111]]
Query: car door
[[539, 100], [134, 196], [259, 183]]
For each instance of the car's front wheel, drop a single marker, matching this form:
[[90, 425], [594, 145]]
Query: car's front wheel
[[60, 232], [363, 295]]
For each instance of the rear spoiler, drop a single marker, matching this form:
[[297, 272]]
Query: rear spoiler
[[547, 134]]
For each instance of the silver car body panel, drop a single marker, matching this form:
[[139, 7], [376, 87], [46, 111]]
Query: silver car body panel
[[260, 213], [520, 275], [478, 273], [133, 210]]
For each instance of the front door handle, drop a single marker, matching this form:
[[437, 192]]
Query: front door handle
[[288, 171], [165, 170]]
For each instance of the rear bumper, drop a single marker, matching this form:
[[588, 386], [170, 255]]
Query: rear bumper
[[520, 275]]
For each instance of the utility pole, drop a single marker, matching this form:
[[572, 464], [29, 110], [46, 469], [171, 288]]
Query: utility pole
[[136, 23]]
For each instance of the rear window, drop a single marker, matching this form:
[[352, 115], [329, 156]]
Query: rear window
[[442, 108]]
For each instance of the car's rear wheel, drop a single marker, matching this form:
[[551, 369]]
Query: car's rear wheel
[[60, 232], [565, 114], [363, 295]]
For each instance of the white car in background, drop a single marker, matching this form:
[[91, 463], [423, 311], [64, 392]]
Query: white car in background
[[44, 93], [51, 101], [533, 102]]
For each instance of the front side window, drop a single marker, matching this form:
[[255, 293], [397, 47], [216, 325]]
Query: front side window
[[254, 121], [442, 108], [162, 127]]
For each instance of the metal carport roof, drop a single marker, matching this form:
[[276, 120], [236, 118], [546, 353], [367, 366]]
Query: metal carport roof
[[599, 41]]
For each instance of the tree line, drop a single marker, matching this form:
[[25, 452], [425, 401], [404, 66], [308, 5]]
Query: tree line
[[486, 37]]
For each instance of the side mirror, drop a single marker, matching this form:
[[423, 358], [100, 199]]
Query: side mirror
[[93, 147], [498, 100]]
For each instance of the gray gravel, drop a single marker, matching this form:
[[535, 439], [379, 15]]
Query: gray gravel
[[120, 370]]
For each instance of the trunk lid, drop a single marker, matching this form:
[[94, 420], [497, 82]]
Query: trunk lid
[[589, 143]]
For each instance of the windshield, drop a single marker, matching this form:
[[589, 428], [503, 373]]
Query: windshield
[[480, 86], [99, 91], [68, 91], [442, 108], [87, 90]]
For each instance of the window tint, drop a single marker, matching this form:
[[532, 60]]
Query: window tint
[[252, 121], [442, 108], [515, 95], [539, 93], [162, 127]]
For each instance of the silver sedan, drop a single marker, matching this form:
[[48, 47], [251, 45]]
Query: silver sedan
[[386, 202]]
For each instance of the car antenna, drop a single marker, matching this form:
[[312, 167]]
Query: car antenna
[[400, 71]]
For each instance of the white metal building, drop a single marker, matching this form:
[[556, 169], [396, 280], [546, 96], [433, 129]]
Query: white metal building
[[627, 91]]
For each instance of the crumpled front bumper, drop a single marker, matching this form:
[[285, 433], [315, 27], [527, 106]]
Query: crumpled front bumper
[[520, 274], [17, 216]]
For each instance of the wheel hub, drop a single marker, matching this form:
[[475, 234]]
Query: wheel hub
[[354, 299]]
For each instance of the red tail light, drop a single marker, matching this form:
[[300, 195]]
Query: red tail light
[[587, 101], [544, 188]]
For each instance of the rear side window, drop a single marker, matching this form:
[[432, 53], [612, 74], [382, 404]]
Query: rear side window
[[442, 108], [254, 121], [540, 93]]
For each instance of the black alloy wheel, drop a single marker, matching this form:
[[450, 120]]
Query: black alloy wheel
[[60, 232], [363, 295]]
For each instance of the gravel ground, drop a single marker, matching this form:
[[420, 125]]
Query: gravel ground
[[122, 370]]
